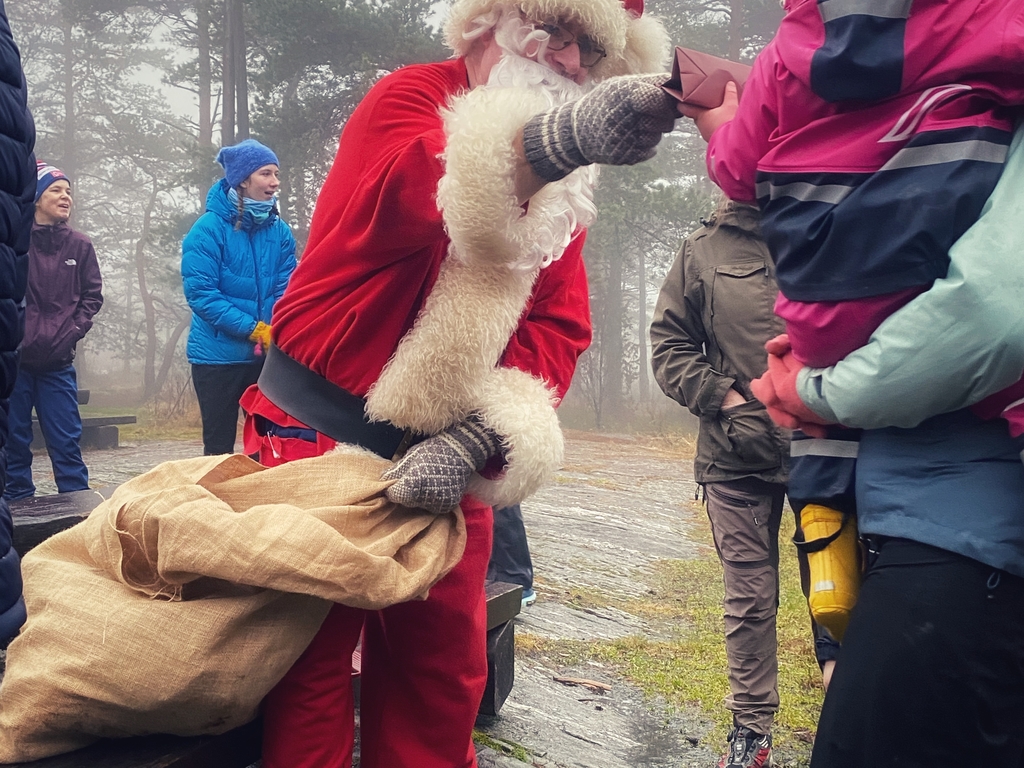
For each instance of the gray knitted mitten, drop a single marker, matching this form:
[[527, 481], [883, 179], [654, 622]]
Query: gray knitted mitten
[[434, 474], [620, 122]]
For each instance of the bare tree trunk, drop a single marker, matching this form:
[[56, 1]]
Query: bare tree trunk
[[597, 377], [644, 381], [227, 112], [241, 71], [205, 73], [168, 356], [69, 162], [149, 369], [736, 13], [204, 51], [293, 187], [126, 356], [611, 337], [301, 210]]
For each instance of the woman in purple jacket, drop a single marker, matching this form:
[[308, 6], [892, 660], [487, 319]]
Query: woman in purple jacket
[[64, 292]]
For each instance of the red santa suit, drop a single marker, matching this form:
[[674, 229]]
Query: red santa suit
[[375, 250], [426, 289]]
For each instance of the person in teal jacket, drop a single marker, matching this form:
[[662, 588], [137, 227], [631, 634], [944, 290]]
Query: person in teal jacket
[[932, 666], [235, 264]]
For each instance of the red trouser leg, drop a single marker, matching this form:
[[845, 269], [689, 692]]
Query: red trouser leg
[[425, 666], [309, 717]]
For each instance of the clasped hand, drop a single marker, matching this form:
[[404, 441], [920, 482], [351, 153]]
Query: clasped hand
[[777, 390]]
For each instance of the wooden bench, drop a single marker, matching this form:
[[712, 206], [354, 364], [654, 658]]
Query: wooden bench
[[97, 431], [38, 518]]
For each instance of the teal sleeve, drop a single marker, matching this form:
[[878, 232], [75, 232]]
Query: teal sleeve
[[953, 345]]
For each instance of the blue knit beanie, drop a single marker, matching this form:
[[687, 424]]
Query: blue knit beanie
[[46, 175], [242, 159]]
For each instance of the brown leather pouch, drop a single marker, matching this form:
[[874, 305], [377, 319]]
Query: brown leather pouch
[[699, 78]]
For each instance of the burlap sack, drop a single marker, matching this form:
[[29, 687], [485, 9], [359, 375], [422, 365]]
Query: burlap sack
[[183, 599]]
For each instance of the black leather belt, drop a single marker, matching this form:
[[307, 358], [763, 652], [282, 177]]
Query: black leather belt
[[326, 407]]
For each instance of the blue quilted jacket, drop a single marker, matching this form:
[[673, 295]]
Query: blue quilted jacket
[[17, 192], [232, 278]]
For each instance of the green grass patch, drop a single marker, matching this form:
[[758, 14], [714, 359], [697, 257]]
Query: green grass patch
[[151, 425], [503, 747], [690, 669]]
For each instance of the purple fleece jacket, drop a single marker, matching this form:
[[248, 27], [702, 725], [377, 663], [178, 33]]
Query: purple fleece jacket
[[64, 292]]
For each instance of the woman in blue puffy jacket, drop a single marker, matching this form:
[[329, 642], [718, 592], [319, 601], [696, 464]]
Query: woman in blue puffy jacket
[[235, 264], [17, 199]]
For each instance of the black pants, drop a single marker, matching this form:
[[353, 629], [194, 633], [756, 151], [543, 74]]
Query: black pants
[[219, 388], [931, 671], [510, 553]]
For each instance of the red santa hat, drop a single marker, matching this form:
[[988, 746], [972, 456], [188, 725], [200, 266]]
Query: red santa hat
[[635, 43]]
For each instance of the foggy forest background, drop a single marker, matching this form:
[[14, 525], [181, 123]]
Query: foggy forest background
[[132, 100]]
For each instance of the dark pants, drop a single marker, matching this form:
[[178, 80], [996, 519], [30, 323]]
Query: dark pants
[[931, 672], [54, 395], [510, 553], [219, 388]]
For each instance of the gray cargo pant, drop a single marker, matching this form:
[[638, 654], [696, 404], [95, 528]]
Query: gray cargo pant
[[745, 517]]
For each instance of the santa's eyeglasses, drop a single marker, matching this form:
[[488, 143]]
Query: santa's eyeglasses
[[559, 38]]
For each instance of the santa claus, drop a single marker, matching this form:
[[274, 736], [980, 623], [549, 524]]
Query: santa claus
[[436, 318]]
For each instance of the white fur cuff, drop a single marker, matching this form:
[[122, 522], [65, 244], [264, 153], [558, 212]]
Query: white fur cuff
[[521, 409]]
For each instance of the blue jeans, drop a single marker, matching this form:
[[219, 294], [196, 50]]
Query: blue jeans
[[54, 395], [510, 553]]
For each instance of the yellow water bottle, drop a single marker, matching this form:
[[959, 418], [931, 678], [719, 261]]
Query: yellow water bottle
[[833, 557]]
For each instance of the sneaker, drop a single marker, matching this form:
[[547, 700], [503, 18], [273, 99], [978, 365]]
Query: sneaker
[[747, 749], [529, 598]]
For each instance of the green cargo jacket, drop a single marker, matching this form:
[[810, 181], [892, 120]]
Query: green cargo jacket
[[713, 316]]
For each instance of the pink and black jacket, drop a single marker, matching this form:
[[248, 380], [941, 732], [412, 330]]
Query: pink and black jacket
[[870, 133]]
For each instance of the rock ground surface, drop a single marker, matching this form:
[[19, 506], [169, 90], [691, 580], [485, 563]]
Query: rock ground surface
[[616, 507]]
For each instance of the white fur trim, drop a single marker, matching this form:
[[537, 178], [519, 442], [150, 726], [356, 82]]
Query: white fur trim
[[445, 368], [351, 449], [436, 375], [476, 193], [634, 45], [522, 410], [648, 49], [483, 217]]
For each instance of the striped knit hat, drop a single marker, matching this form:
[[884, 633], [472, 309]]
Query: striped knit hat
[[46, 175]]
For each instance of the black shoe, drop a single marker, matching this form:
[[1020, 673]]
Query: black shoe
[[747, 749]]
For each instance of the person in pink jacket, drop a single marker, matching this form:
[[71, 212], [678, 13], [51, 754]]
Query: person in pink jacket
[[870, 136]]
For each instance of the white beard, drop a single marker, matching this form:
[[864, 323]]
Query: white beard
[[515, 71], [522, 63], [568, 204]]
